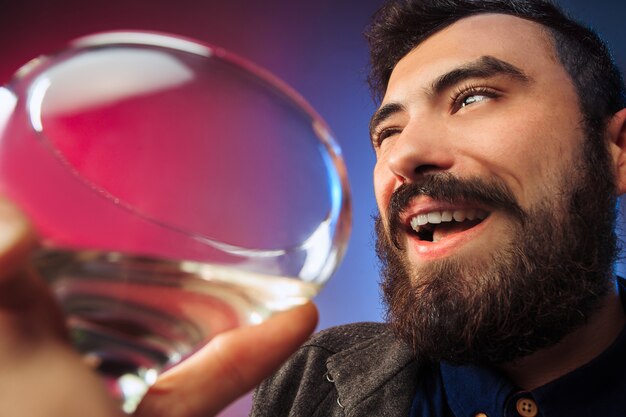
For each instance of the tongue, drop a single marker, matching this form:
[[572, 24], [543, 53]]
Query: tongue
[[444, 230]]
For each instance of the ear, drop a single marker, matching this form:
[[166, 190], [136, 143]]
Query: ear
[[616, 131]]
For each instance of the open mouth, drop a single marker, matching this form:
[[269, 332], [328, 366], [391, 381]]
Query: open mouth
[[436, 225]]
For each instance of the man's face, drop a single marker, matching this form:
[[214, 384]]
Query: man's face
[[519, 129], [480, 152]]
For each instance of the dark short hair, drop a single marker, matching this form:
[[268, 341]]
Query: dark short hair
[[400, 25]]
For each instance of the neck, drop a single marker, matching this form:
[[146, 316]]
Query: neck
[[575, 350]]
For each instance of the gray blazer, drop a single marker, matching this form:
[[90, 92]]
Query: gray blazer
[[356, 370]]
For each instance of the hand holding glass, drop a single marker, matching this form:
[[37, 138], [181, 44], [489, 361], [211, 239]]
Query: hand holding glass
[[179, 191]]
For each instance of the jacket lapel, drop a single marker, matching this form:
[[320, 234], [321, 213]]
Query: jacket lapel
[[375, 377]]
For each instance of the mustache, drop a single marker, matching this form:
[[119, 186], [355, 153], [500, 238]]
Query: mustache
[[447, 188]]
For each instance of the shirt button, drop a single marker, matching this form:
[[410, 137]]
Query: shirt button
[[526, 407]]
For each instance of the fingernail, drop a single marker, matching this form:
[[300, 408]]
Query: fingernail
[[15, 231]]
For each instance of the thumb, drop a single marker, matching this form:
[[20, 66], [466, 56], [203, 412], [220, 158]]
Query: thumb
[[229, 366]]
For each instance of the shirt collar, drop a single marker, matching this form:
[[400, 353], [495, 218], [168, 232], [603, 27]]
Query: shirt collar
[[471, 389], [596, 388]]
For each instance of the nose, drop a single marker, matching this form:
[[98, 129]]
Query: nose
[[419, 151]]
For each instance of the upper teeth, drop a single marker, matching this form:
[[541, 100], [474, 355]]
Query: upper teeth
[[437, 217]]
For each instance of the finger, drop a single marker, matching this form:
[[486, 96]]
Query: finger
[[35, 361], [51, 380], [27, 308], [229, 366], [17, 239]]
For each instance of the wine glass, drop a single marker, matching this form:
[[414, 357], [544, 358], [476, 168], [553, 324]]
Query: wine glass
[[179, 191]]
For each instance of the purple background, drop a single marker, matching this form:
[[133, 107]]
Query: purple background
[[315, 46]]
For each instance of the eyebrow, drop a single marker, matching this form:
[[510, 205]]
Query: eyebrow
[[484, 67]]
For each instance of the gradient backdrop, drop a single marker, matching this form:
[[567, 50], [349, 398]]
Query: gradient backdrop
[[315, 46]]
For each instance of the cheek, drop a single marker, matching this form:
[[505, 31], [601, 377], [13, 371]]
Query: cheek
[[383, 187], [523, 152]]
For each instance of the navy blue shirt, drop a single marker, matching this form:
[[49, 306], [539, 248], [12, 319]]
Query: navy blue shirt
[[596, 389]]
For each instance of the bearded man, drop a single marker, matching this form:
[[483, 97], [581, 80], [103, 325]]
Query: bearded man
[[500, 154]]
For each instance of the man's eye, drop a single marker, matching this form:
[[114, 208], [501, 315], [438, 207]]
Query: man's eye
[[473, 99], [384, 134], [468, 96]]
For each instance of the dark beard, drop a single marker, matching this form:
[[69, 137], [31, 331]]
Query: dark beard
[[527, 295]]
